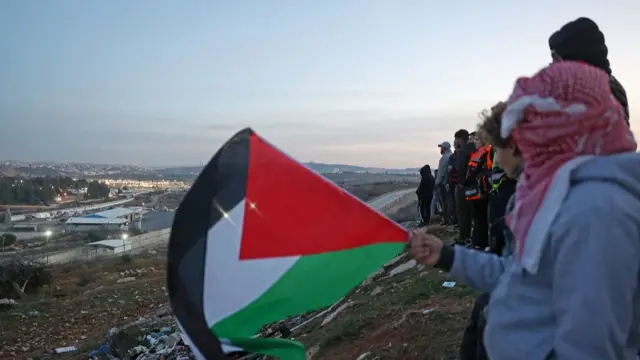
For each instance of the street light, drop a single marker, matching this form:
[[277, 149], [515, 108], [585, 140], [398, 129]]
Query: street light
[[124, 242]]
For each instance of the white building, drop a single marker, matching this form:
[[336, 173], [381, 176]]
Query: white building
[[107, 247]]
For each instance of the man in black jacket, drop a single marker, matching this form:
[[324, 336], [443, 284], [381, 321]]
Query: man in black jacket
[[425, 193], [464, 149], [582, 40]]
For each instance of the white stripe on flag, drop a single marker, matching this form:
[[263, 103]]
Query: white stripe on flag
[[231, 284]]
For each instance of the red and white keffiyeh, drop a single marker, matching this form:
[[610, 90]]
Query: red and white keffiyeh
[[556, 117]]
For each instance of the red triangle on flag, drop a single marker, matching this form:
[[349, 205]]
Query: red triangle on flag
[[292, 211]]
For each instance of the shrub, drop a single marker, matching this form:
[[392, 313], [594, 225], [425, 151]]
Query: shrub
[[85, 278], [19, 277], [7, 239]]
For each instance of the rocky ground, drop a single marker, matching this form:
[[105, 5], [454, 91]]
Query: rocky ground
[[119, 307]]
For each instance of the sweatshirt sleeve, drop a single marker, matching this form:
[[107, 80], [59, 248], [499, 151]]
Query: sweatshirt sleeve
[[595, 278], [478, 269]]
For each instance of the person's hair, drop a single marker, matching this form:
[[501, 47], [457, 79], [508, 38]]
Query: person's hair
[[473, 133], [462, 134], [489, 127]]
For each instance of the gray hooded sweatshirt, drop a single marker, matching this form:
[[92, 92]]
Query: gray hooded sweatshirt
[[574, 294]]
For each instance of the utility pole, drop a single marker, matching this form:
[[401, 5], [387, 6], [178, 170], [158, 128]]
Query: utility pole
[[47, 234]]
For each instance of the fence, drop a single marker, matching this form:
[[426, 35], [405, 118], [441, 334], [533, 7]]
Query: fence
[[139, 244]]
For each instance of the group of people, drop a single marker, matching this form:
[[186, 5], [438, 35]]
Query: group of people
[[546, 198], [469, 190]]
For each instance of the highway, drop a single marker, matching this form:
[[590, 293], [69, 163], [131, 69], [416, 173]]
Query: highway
[[383, 200]]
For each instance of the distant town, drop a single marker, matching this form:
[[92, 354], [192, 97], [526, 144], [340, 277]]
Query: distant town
[[46, 200], [15, 168]]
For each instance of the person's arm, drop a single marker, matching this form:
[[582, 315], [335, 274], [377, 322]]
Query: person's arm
[[479, 270], [595, 279], [451, 164]]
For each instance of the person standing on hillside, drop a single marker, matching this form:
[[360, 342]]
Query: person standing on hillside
[[476, 185], [464, 149], [453, 179], [425, 193], [441, 183], [582, 40]]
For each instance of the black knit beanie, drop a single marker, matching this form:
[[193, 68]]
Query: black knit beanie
[[581, 40]]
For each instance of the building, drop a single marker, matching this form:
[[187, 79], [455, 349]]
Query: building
[[115, 213], [107, 247], [95, 223]]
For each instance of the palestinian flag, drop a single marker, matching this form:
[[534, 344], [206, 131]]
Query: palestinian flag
[[258, 238]]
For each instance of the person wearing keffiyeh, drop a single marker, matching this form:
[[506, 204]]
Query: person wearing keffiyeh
[[571, 291]]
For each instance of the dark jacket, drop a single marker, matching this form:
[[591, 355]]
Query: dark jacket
[[620, 94], [453, 177], [427, 184], [462, 158]]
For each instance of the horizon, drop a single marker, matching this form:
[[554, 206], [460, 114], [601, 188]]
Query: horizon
[[371, 82], [191, 165]]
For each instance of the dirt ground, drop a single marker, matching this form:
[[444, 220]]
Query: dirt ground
[[85, 301], [409, 315], [406, 316]]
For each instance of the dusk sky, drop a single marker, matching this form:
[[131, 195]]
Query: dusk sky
[[367, 82]]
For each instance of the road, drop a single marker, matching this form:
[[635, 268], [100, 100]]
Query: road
[[388, 198]]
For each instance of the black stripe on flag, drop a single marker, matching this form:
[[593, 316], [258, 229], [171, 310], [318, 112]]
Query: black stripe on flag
[[220, 185]]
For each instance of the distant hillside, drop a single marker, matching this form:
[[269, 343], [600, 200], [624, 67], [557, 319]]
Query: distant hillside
[[178, 170], [317, 167], [174, 172], [330, 168]]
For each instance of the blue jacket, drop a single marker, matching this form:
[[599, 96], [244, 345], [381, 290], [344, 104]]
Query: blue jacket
[[575, 294], [442, 168]]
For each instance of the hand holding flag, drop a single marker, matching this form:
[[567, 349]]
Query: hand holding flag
[[424, 247]]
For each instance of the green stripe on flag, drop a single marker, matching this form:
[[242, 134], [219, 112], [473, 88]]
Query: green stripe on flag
[[313, 282]]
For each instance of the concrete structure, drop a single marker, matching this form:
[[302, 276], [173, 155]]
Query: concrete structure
[[18, 218], [25, 227], [95, 223], [107, 248]]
